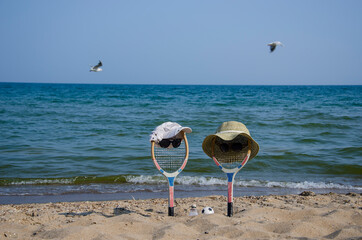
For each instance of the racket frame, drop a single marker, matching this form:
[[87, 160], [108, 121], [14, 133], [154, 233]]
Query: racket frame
[[231, 173], [171, 176]]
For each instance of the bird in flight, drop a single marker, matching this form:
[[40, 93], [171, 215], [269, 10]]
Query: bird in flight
[[273, 45], [96, 68]]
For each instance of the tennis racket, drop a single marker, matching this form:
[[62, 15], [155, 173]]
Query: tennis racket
[[230, 157], [170, 158]]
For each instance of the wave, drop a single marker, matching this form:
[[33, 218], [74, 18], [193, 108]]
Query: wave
[[210, 181], [350, 150], [182, 180], [63, 181]]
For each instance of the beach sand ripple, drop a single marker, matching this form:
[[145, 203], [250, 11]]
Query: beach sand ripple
[[305, 216]]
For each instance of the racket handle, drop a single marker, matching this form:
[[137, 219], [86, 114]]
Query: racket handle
[[171, 211], [171, 196], [230, 209], [230, 193]]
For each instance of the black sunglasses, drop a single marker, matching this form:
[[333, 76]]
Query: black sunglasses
[[224, 147], [164, 143]]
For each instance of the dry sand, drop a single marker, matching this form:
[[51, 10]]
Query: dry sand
[[325, 216]]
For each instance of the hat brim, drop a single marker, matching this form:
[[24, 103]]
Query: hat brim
[[207, 143], [176, 133], [186, 129]]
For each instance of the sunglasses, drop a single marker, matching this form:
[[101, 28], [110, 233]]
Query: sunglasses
[[236, 147], [165, 143]]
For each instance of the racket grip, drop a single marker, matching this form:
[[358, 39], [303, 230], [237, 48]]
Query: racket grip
[[230, 209], [171, 211]]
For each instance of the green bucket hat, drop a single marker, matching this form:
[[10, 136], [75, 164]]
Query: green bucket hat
[[227, 131]]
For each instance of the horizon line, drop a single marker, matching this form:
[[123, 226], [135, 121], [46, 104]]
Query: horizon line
[[180, 84]]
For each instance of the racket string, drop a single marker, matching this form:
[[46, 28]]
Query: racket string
[[170, 159], [231, 160]]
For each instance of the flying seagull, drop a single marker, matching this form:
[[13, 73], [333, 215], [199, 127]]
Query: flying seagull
[[273, 45], [96, 68]]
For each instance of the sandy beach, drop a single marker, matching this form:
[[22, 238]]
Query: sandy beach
[[304, 216]]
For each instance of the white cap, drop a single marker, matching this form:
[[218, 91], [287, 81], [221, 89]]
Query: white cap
[[167, 130]]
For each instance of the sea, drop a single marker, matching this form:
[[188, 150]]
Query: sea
[[90, 142]]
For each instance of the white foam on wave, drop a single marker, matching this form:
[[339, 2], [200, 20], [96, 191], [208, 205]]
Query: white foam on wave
[[186, 180], [296, 185], [203, 181], [210, 181], [43, 182], [146, 179]]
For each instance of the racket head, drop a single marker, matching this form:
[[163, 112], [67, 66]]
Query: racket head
[[171, 160], [231, 154]]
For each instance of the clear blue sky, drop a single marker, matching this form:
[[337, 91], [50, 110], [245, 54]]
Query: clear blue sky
[[181, 42]]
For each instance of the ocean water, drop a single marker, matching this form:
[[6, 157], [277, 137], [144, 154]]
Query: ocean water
[[60, 141]]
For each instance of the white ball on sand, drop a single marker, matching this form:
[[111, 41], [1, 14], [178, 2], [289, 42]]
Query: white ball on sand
[[207, 210]]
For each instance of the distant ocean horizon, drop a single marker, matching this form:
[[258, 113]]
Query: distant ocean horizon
[[180, 84], [91, 141]]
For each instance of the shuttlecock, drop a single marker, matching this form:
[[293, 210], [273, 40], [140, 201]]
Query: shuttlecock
[[193, 210]]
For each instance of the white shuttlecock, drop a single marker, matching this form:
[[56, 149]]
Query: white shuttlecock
[[193, 210]]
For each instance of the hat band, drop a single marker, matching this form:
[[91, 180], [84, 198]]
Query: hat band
[[232, 131]]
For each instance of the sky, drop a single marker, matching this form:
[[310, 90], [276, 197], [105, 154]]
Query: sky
[[182, 42]]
